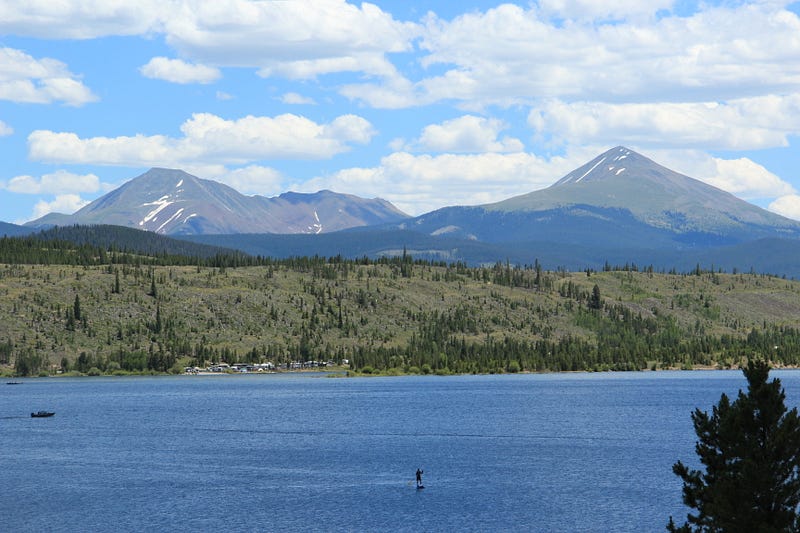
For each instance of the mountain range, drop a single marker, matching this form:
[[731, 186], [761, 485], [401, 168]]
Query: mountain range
[[618, 208], [173, 202]]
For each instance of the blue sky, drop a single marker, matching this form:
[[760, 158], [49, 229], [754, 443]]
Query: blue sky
[[423, 104]]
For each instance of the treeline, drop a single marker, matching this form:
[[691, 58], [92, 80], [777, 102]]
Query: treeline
[[624, 342], [116, 245]]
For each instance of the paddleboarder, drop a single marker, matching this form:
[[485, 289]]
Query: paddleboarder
[[419, 478]]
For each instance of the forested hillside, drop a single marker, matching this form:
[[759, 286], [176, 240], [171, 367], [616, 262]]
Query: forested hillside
[[121, 312]]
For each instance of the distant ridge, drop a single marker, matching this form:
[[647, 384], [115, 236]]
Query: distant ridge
[[131, 240], [173, 202], [12, 230], [619, 208]]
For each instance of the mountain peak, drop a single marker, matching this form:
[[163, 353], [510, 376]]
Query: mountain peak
[[612, 163], [621, 179], [172, 201]]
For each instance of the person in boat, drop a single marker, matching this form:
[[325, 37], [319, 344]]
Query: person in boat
[[419, 477]]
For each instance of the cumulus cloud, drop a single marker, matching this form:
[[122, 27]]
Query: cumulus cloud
[[465, 134], [748, 123], [788, 206], [25, 79], [46, 19], [209, 139], [420, 183], [742, 176], [63, 203], [253, 179], [511, 55], [5, 129], [298, 39], [747, 179], [59, 183], [574, 50], [178, 71]]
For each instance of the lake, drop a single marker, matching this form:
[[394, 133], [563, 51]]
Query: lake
[[294, 452]]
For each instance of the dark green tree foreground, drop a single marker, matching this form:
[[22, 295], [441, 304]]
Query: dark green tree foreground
[[751, 453]]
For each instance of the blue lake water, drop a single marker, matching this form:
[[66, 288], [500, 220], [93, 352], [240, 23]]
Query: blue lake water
[[558, 452]]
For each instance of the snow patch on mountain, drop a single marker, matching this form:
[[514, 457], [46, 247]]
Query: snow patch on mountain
[[162, 203], [444, 230], [590, 170], [170, 219], [316, 228]]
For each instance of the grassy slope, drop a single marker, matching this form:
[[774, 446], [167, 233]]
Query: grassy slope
[[259, 307]]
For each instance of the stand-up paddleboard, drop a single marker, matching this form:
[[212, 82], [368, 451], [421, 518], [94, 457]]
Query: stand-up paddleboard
[[420, 487]]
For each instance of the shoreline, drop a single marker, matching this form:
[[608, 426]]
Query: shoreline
[[346, 373]]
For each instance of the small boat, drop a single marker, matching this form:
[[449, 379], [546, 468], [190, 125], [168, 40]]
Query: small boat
[[13, 383], [42, 414]]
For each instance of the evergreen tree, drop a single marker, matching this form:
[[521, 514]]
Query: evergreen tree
[[596, 301], [751, 452]]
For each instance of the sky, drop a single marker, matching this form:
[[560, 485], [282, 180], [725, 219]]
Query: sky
[[424, 104]]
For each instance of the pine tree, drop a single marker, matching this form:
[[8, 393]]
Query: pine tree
[[596, 301], [751, 453]]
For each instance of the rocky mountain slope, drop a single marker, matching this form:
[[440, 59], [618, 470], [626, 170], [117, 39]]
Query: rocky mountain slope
[[620, 198], [173, 202]]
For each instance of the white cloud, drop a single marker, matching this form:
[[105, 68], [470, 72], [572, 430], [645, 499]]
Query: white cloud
[[209, 139], [573, 50], [747, 179], [46, 19], [742, 176], [299, 39], [748, 123], [5, 129], [592, 10], [253, 179], [58, 183], [394, 93], [63, 203], [297, 99], [510, 55], [788, 206], [420, 183], [178, 71], [24, 79], [465, 134], [223, 96]]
